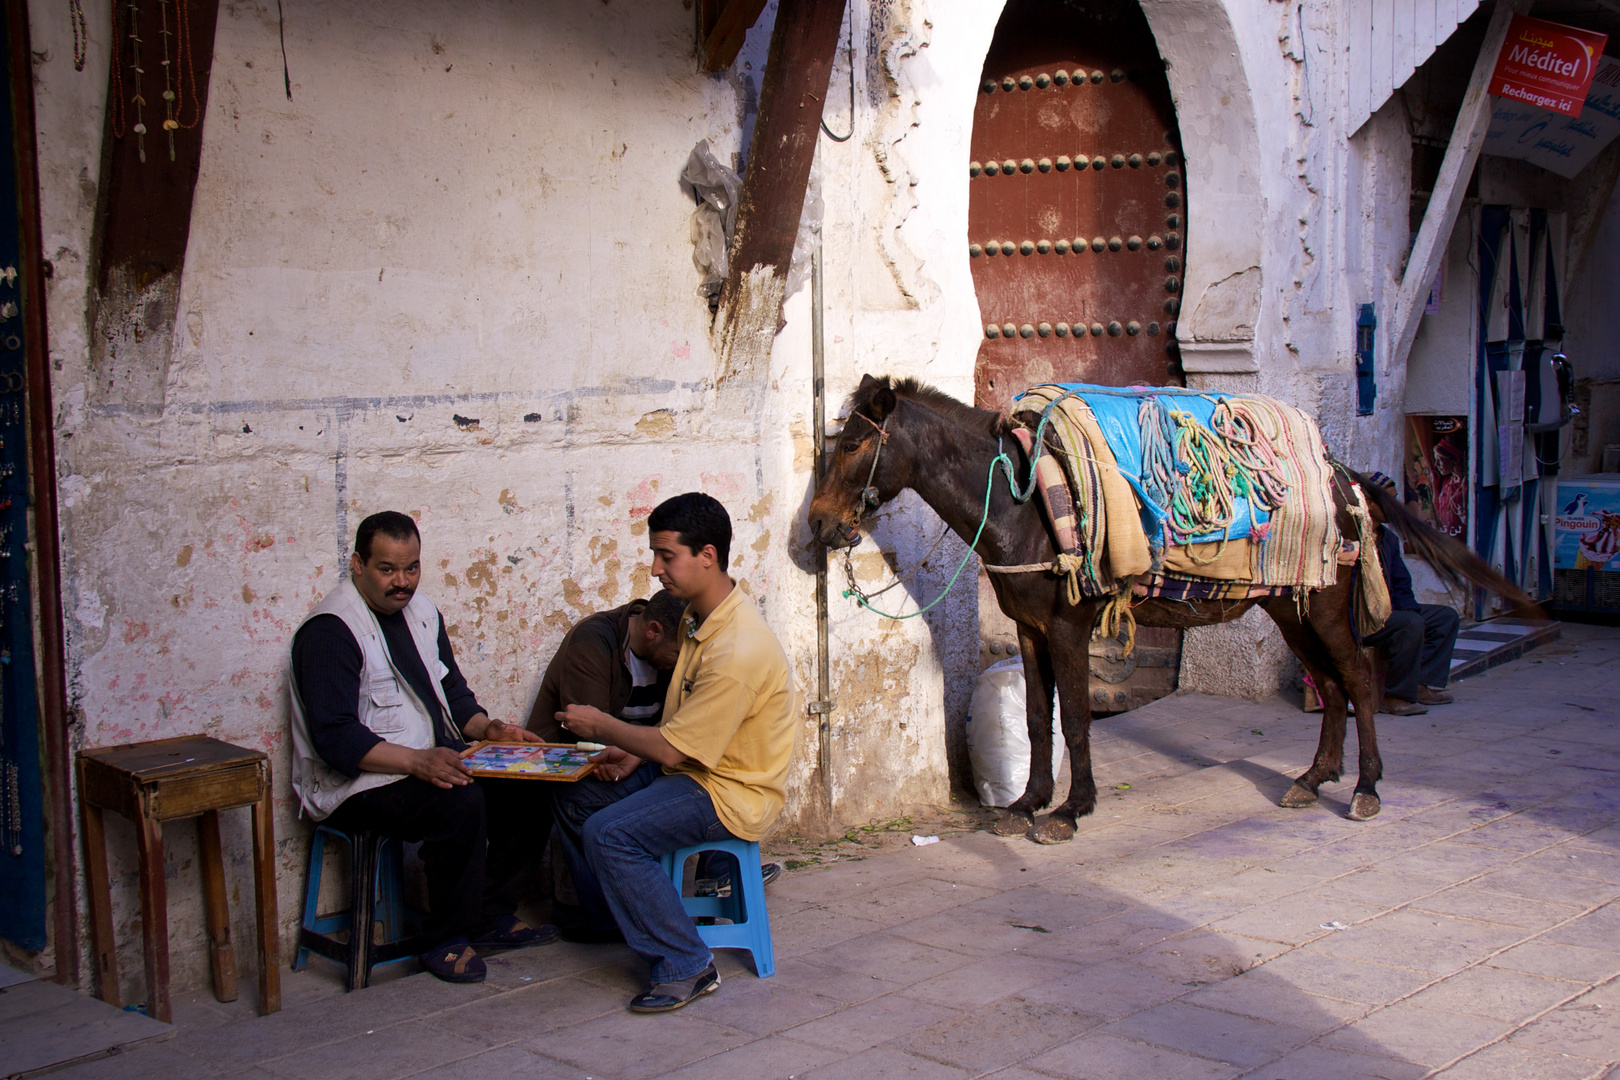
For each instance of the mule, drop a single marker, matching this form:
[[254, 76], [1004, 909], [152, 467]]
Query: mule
[[904, 434]]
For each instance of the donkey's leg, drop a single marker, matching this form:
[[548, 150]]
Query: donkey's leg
[[1331, 621], [1328, 765], [1071, 663], [1038, 715]]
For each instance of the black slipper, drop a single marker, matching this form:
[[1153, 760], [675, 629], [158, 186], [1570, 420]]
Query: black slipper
[[455, 961], [667, 997]]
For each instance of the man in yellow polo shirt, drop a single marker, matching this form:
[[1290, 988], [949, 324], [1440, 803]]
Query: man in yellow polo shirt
[[718, 762]]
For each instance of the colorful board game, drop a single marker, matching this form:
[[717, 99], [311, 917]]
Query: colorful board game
[[528, 761]]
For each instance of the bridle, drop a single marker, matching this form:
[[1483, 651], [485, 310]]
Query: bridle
[[869, 494]]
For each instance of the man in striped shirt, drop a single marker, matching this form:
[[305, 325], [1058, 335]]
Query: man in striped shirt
[[618, 661]]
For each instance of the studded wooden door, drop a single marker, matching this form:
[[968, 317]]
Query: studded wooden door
[[1076, 239], [1076, 204]]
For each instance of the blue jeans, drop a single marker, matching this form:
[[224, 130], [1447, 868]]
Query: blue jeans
[[575, 804], [623, 843]]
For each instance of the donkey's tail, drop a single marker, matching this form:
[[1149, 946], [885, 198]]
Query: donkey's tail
[[1455, 564]]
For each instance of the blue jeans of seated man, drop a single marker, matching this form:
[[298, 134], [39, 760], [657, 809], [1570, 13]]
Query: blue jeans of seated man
[[623, 843], [1417, 648], [572, 806]]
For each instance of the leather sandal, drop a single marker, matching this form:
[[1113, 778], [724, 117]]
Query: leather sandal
[[1433, 697], [1395, 706], [667, 997], [455, 961]]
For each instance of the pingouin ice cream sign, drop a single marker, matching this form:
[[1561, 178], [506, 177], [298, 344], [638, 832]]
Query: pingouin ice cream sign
[[1588, 527], [1547, 64]]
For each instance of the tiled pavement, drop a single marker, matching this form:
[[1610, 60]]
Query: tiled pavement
[[1192, 930]]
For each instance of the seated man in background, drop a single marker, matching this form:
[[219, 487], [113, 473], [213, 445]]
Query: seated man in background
[[619, 662], [717, 765], [380, 714], [1418, 639]]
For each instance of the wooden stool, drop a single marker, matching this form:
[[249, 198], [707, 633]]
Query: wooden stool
[[153, 782]]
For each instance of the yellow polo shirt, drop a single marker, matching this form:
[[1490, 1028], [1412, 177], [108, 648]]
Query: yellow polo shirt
[[733, 711]]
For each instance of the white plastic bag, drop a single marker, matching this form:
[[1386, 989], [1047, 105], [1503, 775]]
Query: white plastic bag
[[998, 736]]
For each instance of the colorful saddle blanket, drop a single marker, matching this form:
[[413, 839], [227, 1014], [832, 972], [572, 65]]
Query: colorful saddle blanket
[[1191, 482]]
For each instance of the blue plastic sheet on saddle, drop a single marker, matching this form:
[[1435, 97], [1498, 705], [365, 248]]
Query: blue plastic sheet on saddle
[[1117, 409]]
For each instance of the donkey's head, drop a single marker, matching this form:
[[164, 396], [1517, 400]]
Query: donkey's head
[[869, 465]]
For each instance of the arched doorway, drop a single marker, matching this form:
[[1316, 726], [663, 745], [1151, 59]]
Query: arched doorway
[[1077, 240]]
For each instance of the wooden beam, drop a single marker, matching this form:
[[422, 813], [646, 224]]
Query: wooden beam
[[1462, 152], [730, 31], [143, 214], [788, 127]]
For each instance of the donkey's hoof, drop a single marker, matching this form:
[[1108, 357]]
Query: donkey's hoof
[[1054, 830], [1012, 823], [1299, 795], [1364, 807]]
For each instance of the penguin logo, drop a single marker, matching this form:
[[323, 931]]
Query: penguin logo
[[1576, 507]]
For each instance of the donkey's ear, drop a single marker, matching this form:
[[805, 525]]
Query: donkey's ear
[[867, 381], [882, 403]]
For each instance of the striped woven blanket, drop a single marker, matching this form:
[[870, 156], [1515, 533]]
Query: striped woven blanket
[[1163, 479]]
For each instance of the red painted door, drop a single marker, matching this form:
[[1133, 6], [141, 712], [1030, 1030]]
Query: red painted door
[[1077, 203]]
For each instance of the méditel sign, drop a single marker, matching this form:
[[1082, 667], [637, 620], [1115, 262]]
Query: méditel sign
[[1547, 64]]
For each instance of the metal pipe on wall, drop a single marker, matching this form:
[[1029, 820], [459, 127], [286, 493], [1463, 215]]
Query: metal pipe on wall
[[822, 707]]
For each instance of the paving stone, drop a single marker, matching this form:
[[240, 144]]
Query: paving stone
[[1446, 858], [1506, 1061], [1042, 905], [1317, 1062], [1349, 980], [1295, 919], [1496, 993], [1581, 1027], [1381, 888], [1559, 961], [870, 1023], [840, 986], [1205, 956], [1412, 1033], [1220, 1036], [1102, 1056], [357, 1056], [1264, 995], [1577, 862], [999, 1032], [769, 1057], [1548, 887], [764, 1006], [816, 928], [540, 1007], [140, 1062], [1111, 989], [891, 958], [1374, 945], [1514, 834], [1471, 902], [1434, 926], [885, 1063], [985, 980], [891, 904], [514, 1062], [628, 1046]]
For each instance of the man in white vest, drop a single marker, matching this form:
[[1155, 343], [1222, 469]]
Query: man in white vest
[[380, 713]]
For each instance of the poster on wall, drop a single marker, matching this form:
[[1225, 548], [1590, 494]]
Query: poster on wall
[[1587, 525], [1436, 480], [1558, 143], [1547, 64]]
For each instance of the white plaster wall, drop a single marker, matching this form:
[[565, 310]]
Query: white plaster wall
[[468, 294], [452, 276]]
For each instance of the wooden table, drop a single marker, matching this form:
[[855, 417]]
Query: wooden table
[[153, 782]]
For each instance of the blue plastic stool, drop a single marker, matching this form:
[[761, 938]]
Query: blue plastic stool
[[750, 923], [377, 873]]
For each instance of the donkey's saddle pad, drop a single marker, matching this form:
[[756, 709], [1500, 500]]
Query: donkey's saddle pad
[[1232, 487]]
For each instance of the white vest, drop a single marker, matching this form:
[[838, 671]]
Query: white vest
[[388, 705]]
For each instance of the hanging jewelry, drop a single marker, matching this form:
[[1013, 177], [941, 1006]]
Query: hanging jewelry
[[169, 122], [81, 34], [13, 810], [135, 65]]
